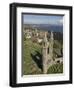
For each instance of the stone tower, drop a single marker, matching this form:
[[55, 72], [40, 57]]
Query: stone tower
[[44, 53], [51, 46]]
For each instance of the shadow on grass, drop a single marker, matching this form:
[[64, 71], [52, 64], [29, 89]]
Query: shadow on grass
[[38, 59]]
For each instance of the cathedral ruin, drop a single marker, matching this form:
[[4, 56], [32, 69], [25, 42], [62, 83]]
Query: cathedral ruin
[[47, 53]]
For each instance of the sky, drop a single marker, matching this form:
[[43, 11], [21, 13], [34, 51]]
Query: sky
[[42, 19]]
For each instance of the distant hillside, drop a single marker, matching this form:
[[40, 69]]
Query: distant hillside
[[48, 27]]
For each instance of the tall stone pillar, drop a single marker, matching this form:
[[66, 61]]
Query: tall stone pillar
[[44, 54], [44, 58], [51, 45]]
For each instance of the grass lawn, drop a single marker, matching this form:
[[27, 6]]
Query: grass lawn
[[31, 52], [57, 68]]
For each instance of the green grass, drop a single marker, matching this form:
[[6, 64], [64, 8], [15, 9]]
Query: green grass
[[30, 67], [57, 68]]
